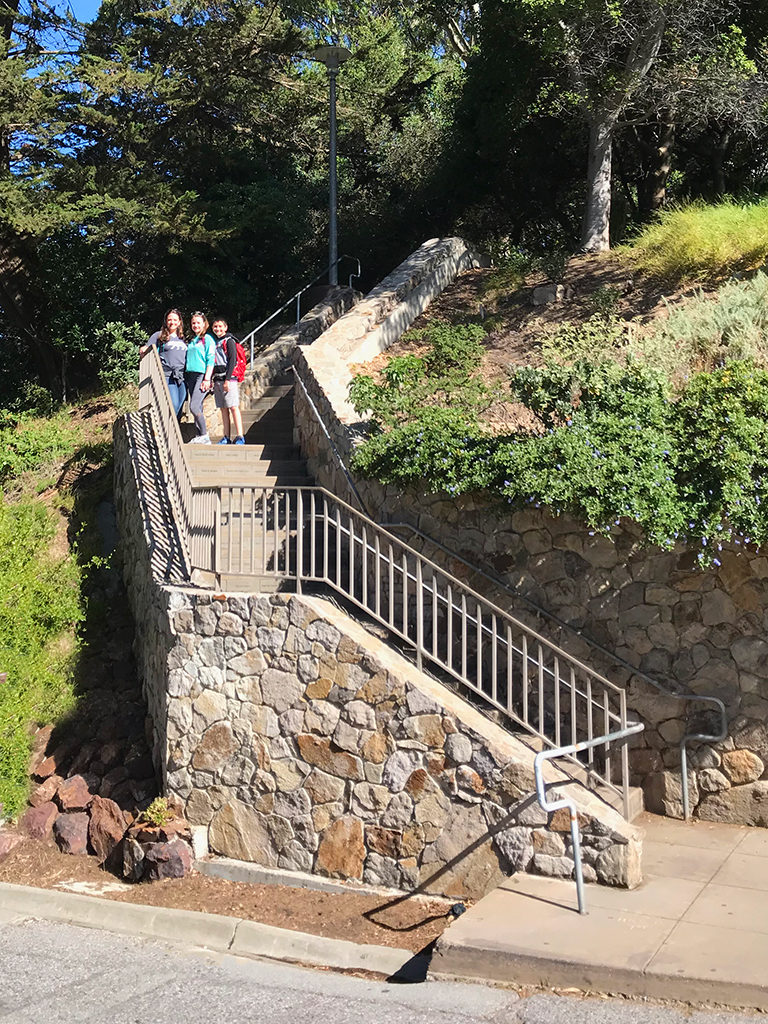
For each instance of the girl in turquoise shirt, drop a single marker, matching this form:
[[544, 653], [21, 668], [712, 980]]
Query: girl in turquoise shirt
[[201, 352]]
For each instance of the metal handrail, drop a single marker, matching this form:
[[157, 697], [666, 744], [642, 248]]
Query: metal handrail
[[251, 336], [307, 534], [329, 439], [686, 696], [621, 735]]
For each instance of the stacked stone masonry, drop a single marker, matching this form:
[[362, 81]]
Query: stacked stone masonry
[[303, 742], [691, 629]]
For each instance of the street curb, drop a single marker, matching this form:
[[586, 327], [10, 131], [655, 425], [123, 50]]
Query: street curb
[[473, 963], [192, 928]]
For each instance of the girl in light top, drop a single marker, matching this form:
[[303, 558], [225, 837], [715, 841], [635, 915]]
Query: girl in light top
[[200, 359], [172, 349]]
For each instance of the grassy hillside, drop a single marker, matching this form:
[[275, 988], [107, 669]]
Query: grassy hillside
[[51, 470]]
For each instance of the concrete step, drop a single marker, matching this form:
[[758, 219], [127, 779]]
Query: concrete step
[[212, 454]]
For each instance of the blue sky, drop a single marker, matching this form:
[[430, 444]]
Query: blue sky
[[85, 10]]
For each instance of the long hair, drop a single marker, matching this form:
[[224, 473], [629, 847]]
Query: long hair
[[165, 333], [205, 323]]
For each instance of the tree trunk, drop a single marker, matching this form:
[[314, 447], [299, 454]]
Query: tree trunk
[[21, 299], [720, 154], [595, 231], [652, 188]]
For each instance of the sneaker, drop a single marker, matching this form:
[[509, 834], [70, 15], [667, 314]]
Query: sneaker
[[239, 440], [201, 439], [224, 440]]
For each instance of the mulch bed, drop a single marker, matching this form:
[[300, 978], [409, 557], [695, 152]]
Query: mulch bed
[[407, 922]]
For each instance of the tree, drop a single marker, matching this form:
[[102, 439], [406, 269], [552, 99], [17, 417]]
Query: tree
[[612, 55]]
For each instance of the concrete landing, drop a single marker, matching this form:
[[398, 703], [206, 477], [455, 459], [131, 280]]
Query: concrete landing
[[696, 930]]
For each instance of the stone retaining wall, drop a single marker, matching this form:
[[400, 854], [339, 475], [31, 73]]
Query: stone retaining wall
[[301, 741], [691, 629], [366, 330]]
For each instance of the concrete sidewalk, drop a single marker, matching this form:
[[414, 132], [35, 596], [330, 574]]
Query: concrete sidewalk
[[696, 930]]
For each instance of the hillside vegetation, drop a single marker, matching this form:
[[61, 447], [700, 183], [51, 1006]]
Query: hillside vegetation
[[51, 474], [662, 421]]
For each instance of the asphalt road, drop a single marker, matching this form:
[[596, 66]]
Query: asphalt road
[[60, 974]]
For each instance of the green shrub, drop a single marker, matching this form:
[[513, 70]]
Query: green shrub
[[507, 276], [598, 337], [608, 450], [721, 423], [117, 354], [39, 604], [710, 330], [448, 373], [437, 449], [28, 442], [701, 242]]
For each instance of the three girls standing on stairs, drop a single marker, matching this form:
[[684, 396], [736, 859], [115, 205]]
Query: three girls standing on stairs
[[197, 366]]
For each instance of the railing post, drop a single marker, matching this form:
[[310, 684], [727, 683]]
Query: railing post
[[217, 538], [419, 614], [299, 538], [624, 756]]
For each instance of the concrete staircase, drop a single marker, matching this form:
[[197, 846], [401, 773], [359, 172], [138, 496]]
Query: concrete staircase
[[269, 457]]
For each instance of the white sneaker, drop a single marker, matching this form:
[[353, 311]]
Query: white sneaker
[[201, 439]]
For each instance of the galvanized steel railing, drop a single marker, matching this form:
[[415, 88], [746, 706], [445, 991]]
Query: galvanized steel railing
[[307, 535], [249, 341], [196, 508]]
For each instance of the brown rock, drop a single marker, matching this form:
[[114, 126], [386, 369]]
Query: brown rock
[[238, 831], [375, 690], [385, 841], [742, 766], [517, 781], [46, 791], [8, 840], [319, 690], [341, 853], [417, 783], [467, 778], [106, 827], [71, 832], [217, 746], [45, 768], [427, 729], [317, 751], [375, 748], [435, 763], [412, 842], [113, 778], [560, 820], [38, 821], [167, 860], [133, 859], [39, 747], [73, 794], [82, 758], [324, 789]]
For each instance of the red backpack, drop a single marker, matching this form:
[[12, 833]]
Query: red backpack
[[241, 359]]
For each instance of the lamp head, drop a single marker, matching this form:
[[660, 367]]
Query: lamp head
[[332, 56]]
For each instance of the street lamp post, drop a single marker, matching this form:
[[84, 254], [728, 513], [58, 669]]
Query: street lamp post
[[333, 57]]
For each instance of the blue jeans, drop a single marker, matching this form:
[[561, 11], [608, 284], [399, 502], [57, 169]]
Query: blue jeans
[[178, 393]]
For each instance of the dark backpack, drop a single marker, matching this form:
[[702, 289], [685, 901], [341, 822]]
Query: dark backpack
[[241, 359]]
